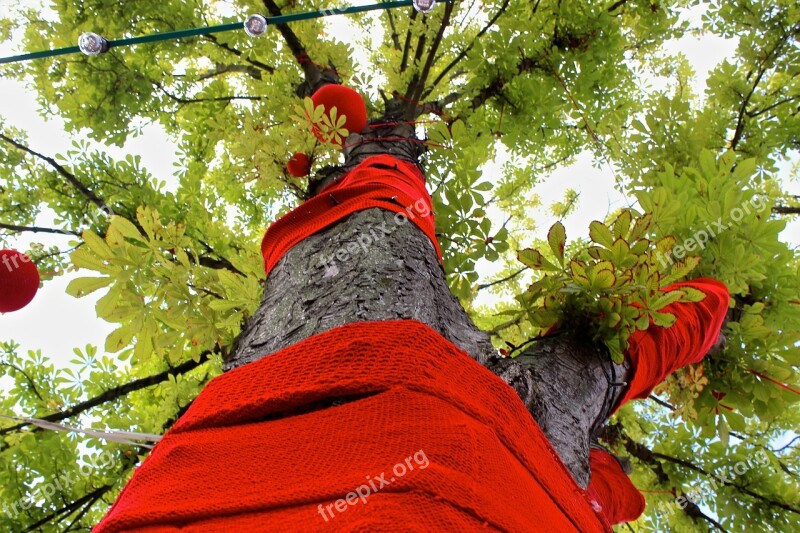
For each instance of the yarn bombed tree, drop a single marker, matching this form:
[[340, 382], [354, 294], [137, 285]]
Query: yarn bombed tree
[[528, 86]]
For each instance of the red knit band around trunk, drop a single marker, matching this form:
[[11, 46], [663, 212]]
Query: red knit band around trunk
[[257, 451], [380, 181]]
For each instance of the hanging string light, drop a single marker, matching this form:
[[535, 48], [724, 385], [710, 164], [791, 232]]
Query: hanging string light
[[424, 6], [255, 26], [92, 44]]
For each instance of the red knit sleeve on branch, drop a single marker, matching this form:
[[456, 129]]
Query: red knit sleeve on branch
[[616, 497], [658, 352], [380, 181]]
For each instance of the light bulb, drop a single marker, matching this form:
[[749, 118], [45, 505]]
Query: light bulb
[[255, 25], [92, 44], [424, 6]]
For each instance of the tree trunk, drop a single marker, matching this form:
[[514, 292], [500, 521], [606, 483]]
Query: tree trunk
[[370, 267]]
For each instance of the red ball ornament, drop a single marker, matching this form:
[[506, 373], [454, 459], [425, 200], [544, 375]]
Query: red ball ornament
[[299, 165], [347, 101], [19, 280]]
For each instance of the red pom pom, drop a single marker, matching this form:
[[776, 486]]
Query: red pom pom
[[19, 280], [299, 165], [347, 102]]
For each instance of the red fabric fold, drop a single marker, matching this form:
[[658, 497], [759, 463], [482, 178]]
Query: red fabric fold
[[617, 499], [380, 181], [247, 455]]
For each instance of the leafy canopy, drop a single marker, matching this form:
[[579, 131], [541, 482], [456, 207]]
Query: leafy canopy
[[520, 89]]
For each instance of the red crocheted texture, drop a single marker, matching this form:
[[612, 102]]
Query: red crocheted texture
[[242, 458], [654, 354], [657, 352], [618, 499], [380, 181]]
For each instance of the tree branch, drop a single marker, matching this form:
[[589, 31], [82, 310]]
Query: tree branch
[[616, 5], [483, 286], [118, 391], [238, 53], [71, 507], [762, 69], [27, 378], [407, 44], [494, 88], [66, 174], [786, 210], [652, 458], [417, 86], [182, 100], [394, 35], [461, 55], [37, 229], [314, 75]]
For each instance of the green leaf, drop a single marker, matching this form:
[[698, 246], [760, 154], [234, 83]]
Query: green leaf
[[534, 259], [708, 164], [600, 234], [557, 238], [80, 287], [664, 320], [97, 245], [119, 339]]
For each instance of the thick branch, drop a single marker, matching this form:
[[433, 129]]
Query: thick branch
[[461, 55], [417, 85], [314, 75], [565, 381]]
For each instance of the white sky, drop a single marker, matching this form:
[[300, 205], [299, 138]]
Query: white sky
[[55, 322]]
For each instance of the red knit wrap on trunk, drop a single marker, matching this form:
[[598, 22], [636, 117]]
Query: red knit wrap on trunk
[[380, 181], [238, 460]]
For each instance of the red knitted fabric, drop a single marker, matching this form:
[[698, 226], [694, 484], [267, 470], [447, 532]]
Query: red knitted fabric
[[243, 459], [380, 181], [657, 352], [654, 354], [617, 498]]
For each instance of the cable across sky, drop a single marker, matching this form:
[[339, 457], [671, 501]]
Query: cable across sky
[[255, 26]]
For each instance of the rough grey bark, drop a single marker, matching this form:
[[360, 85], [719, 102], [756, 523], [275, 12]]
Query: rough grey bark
[[569, 386], [373, 266], [367, 267]]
